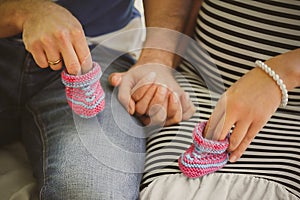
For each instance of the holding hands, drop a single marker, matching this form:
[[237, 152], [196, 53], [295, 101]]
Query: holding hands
[[151, 92]]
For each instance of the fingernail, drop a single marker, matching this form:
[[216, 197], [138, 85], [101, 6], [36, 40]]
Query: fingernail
[[86, 66], [116, 79], [232, 158], [87, 63], [174, 97], [131, 108]]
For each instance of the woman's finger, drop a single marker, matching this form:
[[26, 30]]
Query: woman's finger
[[158, 113], [174, 112], [142, 86], [142, 106], [188, 108], [237, 135], [221, 121], [249, 136], [159, 98], [157, 109], [218, 128]]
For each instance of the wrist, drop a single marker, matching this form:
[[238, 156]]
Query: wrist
[[158, 56], [21, 13], [277, 79], [163, 46], [287, 66]]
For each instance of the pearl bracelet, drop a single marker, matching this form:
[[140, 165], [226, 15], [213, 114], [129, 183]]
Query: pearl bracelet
[[275, 77]]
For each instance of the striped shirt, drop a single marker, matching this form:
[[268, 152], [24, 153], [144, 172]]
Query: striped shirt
[[230, 36]]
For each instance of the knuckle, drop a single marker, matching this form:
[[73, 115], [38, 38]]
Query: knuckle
[[46, 40], [62, 36], [32, 46], [161, 92], [260, 119], [77, 32], [40, 62], [136, 95]]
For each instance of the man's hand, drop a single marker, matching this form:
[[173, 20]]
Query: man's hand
[[151, 92], [50, 33]]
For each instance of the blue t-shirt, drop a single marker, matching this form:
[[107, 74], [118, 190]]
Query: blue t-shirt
[[101, 16]]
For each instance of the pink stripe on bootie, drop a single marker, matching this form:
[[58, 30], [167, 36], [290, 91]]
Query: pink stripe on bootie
[[84, 92], [203, 156]]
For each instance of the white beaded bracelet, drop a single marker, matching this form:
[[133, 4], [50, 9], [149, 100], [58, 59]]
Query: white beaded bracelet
[[279, 82]]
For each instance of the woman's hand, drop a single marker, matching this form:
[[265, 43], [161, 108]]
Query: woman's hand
[[51, 33], [247, 106], [250, 102]]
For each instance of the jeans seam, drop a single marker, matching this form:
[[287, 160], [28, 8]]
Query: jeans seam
[[40, 127], [21, 81]]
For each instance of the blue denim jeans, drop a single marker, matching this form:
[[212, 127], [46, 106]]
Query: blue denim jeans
[[72, 158]]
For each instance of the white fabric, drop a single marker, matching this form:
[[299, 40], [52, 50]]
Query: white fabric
[[214, 186], [16, 178], [128, 39]]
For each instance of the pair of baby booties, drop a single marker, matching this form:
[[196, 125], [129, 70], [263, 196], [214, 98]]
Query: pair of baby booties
[[87, 98]]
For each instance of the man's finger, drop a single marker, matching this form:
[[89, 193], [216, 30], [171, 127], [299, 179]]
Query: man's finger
[[53, 55], [142, 86], [82, 51], [40, 58], [70, 58]]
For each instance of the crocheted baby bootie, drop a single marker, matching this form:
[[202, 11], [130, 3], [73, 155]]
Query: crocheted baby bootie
[[203, 156], [84, 92]]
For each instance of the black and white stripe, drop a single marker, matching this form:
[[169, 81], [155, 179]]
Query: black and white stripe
[[234, 34]]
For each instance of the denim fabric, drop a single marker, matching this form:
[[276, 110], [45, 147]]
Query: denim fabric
[[72, 158]]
